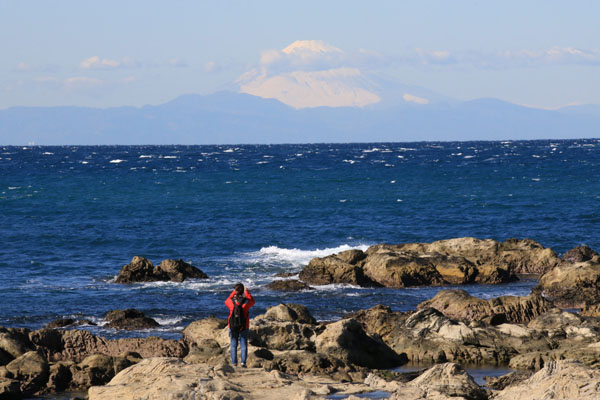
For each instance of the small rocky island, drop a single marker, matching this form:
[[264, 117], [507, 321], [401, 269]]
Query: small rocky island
[[555, 353]]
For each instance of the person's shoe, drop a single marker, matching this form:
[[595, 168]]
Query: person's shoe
[[235, 365], [244, 365]]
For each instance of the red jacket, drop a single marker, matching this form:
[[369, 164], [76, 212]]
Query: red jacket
[[246, 306]]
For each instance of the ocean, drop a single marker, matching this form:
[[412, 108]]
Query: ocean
[[72, 216]]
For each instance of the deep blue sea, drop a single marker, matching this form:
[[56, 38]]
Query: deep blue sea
[[71, 217]]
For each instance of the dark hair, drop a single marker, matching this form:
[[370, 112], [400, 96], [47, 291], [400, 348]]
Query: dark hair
[[239, 288]]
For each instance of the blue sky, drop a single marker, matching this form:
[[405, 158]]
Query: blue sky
[[113, 53]]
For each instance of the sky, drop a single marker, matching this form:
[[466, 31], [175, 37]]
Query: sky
[[543, 54]]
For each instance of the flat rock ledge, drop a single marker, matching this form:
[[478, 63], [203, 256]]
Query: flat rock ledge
[[141, 269], [454, 261]]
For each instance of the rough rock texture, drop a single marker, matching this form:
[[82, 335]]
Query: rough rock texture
[[557, 380], [504, 381], [288, 285], [347, 340], [64, 322], [290, 312], [454, 261], [579, 254], [141, 269], [130, 319], [75, 345], [448, 379], [572, 285], [206, 329], [31, 370], [168, 378], [459, 305]]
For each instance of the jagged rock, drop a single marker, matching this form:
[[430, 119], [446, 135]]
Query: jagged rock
[[591, 310], [205, 350], [13, 344], [572, 285], [453, 261], [579, 254], [347, 340], [167, 378], [31, 370], [141, 269], [557, 380], [459, 305], [288, 285], [130, 319], [178, 271], [60, 376], [450, 380], [10, 389], [97, 369], [333, 269], [504, 381], [285, 335]]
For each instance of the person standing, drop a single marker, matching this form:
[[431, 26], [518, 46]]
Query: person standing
[[239, 302]]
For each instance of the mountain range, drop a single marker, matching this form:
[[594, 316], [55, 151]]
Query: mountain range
[[304, 93]]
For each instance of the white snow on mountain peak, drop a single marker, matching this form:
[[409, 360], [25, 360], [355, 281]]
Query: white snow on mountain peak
[[314, 46], [312, 73]]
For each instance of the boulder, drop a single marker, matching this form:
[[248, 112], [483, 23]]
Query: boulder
[[130, 319], [59, 376], [333, 269], [282, 335], [504, 381], [97, 369], [141, 269], [12, 345], [392, 269], [64, 322], [290, 312], [347, 340], [288, 285], [557, 380], [458, 304], [178, 271], [206, 329], [31, 370], [450, 380], [572, 285]]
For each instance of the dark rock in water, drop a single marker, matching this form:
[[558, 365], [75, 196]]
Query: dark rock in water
[[178, 271], [579, 254], [130, 319], [59, 323], [64, 322], [141, 269], [512, 378], [285, 274], [288, 285]]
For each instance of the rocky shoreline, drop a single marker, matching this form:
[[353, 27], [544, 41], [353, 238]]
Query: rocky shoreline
[[556, 352]]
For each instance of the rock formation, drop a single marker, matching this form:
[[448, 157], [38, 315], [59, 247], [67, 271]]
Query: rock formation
[[141, 269], [288, 285], [130, 319], [453, 261]]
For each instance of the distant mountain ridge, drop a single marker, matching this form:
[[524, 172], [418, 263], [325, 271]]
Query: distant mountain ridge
[[237, 118]]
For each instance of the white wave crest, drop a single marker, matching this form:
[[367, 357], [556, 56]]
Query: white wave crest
[[295, 257], [117, 161]]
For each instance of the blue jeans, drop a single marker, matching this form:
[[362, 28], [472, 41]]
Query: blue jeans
[[233, 344]]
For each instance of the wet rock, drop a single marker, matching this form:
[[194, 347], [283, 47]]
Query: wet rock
[[65, 322], [579, 254], [347, 340], [31, 370], [141, 269], [288, 285], [572, 285], [459, 305], [130, 319], [178, 271], [453, 261], [557, 380], [333, 269]]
